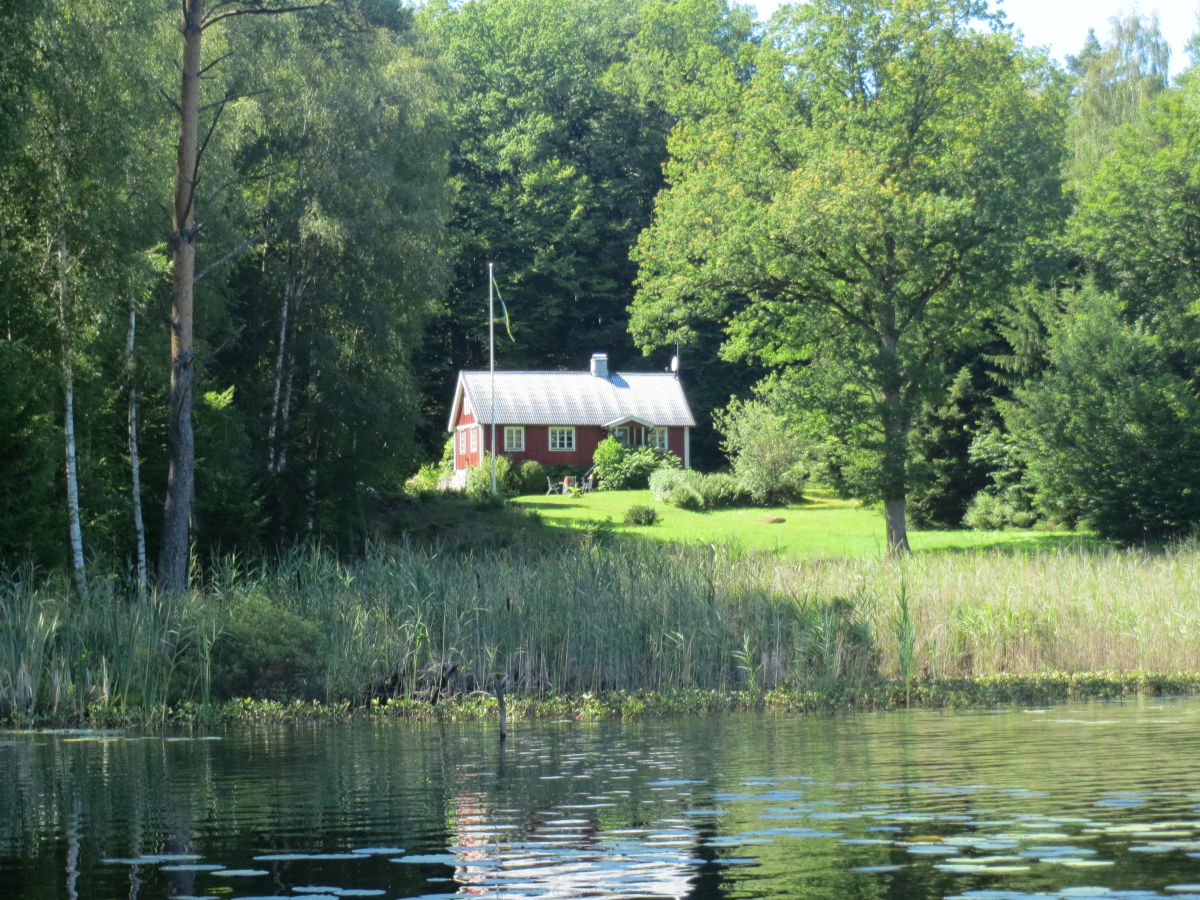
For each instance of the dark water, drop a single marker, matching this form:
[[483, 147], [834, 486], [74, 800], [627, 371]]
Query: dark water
[[1101, 800]]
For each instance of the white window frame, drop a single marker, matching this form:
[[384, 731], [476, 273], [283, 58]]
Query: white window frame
[[462, 442], [660, 438], [514, 438], [474, 440], [561, 438], [624, 435]]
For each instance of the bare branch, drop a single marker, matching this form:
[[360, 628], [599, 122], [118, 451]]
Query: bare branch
[[228, 183], [230, 97], [245, 245], [212, 126], [274, 11], [171, 100], [220, 59]]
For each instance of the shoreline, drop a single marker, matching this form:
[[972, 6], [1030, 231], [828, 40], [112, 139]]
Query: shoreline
[[932, 693]]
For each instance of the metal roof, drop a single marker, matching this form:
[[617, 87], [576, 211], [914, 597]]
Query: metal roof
[[573, 398]]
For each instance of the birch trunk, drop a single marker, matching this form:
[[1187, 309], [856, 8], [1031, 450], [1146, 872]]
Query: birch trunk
[[280, 358], [135, 469], [64, 319], [177, 511], [285, 403]]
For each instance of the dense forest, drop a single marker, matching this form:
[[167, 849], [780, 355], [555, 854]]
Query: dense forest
[[243, 254]]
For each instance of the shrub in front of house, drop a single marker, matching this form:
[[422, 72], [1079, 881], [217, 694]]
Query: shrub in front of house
[[663, 481], [641, 515], [686, 497], [767, 452], [721, 490], [531, 477], [425, 481], [479, 478], [620, 469]]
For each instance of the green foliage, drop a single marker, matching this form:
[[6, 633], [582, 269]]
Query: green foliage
[[686, 497], [1114, 84], [1138, 219], [641, 515], [662, 481], [721, 490], [1008, 499], [619, 468], [768, 456], [479, 478], [834, 210], [531, 477], [608, 457], [716, 490], [945, 475], [1110, 433], [30, 455], [559, 132], [267, 652], [989, 511], [424, 481]]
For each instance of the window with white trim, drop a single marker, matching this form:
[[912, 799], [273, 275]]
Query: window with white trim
[[462, 441], [658, 438], [514, 438], [474, 440], [562, 438]]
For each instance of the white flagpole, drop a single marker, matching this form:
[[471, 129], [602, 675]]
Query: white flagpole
[[492, 363]]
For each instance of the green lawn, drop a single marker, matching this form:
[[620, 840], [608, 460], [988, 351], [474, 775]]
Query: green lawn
[[823, 526]]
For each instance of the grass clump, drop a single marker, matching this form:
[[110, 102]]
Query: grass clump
[[639, 514]]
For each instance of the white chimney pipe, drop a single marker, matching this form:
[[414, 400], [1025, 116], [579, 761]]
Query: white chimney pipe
[[600, 365]]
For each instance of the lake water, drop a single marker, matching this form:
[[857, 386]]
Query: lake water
[[1097, 800]]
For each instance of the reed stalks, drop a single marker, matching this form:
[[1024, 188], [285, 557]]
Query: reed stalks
[[408, 621]]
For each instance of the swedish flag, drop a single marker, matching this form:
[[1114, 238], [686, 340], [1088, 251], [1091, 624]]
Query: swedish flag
[[504, 311]]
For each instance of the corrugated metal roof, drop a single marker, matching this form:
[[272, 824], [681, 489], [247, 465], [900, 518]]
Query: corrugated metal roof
[[574, 398]]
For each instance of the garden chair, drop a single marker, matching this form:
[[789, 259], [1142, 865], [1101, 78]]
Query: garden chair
[[552, 486]]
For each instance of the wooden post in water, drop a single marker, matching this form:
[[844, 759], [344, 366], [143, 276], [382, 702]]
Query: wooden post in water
[[501, 685]]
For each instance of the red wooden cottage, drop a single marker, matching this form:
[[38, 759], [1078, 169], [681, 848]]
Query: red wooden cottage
[[560, 417]]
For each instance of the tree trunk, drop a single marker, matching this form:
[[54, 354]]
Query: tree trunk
[[897, 525], [177, 512], [64, 318], [135, 469], [895, 447], [280, 359]]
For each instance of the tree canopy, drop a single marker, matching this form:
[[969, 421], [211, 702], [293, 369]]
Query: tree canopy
[[853, 207]]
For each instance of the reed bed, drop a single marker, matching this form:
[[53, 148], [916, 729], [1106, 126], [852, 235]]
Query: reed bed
[[601, 616]]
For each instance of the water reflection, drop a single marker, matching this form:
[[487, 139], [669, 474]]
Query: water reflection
[[1100, 800]]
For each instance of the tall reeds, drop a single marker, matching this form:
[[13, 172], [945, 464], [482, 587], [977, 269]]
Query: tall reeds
[[607, 615]]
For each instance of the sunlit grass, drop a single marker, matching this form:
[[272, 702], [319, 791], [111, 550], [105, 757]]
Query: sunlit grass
[[822, 527]]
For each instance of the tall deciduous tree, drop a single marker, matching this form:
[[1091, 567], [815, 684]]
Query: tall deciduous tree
[[184, 235], [852, 206]]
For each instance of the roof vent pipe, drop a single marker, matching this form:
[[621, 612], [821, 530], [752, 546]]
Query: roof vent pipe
[[600, 365]]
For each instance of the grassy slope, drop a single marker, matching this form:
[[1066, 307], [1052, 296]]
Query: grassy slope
[[820, 528]]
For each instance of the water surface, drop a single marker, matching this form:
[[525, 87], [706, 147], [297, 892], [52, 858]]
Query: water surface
[[1098, 800]]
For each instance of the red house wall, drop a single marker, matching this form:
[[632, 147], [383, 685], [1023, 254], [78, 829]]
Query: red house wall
[[537, 444], [465, 459]]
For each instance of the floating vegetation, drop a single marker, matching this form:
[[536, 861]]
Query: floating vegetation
[[240, 873]]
